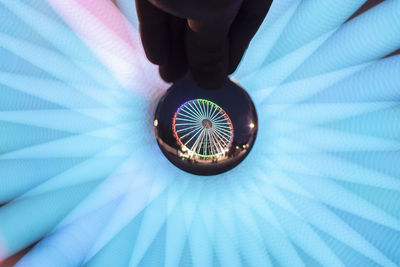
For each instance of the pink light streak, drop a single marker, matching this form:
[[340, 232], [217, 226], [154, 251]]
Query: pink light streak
[[114, 41], [3, 250]]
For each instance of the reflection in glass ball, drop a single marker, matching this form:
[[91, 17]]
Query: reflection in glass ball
[[203, 129], [205, 132]]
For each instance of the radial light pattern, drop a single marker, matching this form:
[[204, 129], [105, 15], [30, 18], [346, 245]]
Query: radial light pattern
[[203, 128], [83, 182]]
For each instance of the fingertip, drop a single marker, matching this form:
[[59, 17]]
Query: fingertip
[[176, 65], [156, 58], [170, 74], [155, 32], [156, 42], [210, 78], [233, 66], [246, 24], [207, 49]]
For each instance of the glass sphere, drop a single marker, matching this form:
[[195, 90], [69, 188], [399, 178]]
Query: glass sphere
[[205, 132]]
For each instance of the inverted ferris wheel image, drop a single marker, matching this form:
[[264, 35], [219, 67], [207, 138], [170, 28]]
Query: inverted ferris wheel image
[[102, 164]]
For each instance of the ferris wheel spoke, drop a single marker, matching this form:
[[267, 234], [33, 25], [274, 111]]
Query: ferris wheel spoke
[[208, 110], [224, 125], [214, 141], [222, 138], [213, 113], [223, 131], [217, 113], [185, 119], [204, 104], [187, 128], [227, 129], [211, 143], [205, 144], [201, 141], [193, 112], [186, 122], [200, 107], [217, 141], [194, 135], [188, 116], [219, 120], [190, 112], [197, 141], [194, 106], [196, 129], [183, 124]]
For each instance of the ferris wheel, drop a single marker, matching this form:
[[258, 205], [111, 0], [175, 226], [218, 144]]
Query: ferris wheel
[[203, 128]]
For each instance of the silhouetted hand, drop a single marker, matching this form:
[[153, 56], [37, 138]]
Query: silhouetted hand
[[206, 37]]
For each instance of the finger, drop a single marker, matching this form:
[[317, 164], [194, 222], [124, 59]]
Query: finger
[[176, 66], [247, 22], [207, 49], [154, 31]]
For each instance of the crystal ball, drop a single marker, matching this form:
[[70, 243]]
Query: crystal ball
[[205, 132]]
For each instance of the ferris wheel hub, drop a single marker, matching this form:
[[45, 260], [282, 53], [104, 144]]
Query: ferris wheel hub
[[205, 132], [207, 123]]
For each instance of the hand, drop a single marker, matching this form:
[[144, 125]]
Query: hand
[[206, 37]]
